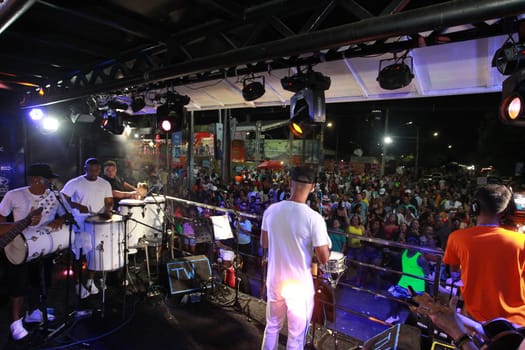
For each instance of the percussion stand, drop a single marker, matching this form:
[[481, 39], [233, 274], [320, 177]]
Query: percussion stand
[[127, 275], [100, 249], [236, 303], [146, 248]]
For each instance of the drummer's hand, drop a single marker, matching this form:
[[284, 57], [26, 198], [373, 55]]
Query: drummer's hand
[[57, 223], [106, 215], [83, 208], [264, 261], [35, 215]]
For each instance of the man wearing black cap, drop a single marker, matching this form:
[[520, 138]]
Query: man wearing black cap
[[89, 193], [292, 233], [24, 279]]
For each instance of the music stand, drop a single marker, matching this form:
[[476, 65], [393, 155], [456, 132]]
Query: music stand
[[222, 231]]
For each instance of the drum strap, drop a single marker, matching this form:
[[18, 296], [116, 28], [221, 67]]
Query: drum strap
[[14, 231]]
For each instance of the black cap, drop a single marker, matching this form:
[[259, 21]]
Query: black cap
[[303, 174], [91, 161], [41, 169]]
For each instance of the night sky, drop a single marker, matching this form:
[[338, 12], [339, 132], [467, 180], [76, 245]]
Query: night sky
[[469, 123]]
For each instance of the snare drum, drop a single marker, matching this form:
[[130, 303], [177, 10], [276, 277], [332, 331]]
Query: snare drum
[[106, 239], [35, 242], [335, 264], [154, 217], [135, 209]]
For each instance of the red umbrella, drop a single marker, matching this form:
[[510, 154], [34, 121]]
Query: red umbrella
[[271, 164]]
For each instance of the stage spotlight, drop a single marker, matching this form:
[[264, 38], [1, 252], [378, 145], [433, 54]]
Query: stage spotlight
[[36, 114], [170, 115], [253, 90], [113, 122], [512, 99], [509, 57], [138, 103], [50, 124], [117, 105], [310, 79], [81, 112], [396, 75], [307, 109]]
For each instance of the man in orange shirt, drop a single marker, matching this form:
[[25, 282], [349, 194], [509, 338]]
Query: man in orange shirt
[[491, 258]]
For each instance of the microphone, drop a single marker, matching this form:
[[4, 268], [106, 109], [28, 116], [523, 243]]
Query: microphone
[[49, 184]]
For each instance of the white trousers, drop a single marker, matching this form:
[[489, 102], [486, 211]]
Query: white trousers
[[299, 313]]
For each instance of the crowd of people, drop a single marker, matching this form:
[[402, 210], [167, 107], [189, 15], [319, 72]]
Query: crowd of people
[[331, 211], [419, 212]]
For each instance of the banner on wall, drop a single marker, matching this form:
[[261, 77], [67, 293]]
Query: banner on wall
[[203, 146], [238, 151], [276, 149], [177, 155], [219, 132]]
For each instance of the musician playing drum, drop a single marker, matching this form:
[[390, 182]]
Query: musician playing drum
[[119, 188], [89, 193], [23, 280]]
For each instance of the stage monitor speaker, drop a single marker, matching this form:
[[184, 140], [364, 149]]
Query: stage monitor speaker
[[189, 274], [399, 337]]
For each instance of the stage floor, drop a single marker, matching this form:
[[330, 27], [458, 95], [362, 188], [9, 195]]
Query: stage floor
[[146, 315]]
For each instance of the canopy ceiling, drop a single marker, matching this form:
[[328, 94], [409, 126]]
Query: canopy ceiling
[[205, 48]]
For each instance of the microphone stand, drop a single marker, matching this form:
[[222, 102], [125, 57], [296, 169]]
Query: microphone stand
[[236, 303], [70, 221]]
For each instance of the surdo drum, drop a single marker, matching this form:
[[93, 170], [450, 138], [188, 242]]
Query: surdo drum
[[107, 243], [35, 242], [135, 208], [154, 217]]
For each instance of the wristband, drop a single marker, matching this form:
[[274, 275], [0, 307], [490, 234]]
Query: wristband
[[465, 338]]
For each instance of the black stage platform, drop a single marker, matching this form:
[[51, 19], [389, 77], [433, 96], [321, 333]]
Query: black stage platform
[[146, 315]]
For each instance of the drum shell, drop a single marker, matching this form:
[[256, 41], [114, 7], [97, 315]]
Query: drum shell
[[154, 217], [107, 242], [35, 242], [336, 263], [134, 229]]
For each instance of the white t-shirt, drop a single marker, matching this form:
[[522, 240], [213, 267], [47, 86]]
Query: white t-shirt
[[247, 226], [20, 201], [294, 229], [88, 193]]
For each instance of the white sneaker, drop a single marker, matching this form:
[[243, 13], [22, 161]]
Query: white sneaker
[[17, 330], [37, 317], [84, 293], [392, 320], [91, 287]]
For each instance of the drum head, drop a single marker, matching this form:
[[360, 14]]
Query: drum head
[[154, 199], [16, 250], [97, 219], [131, 203], [336, 255]]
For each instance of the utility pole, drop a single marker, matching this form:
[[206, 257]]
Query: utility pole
[[385, 132]]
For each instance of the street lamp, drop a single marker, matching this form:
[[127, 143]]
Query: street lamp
[[388, 140], [435, 134]]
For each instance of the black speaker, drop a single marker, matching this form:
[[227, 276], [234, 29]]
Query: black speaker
[[189, 274]]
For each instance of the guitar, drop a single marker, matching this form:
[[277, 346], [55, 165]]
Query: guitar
[[16, 228]]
